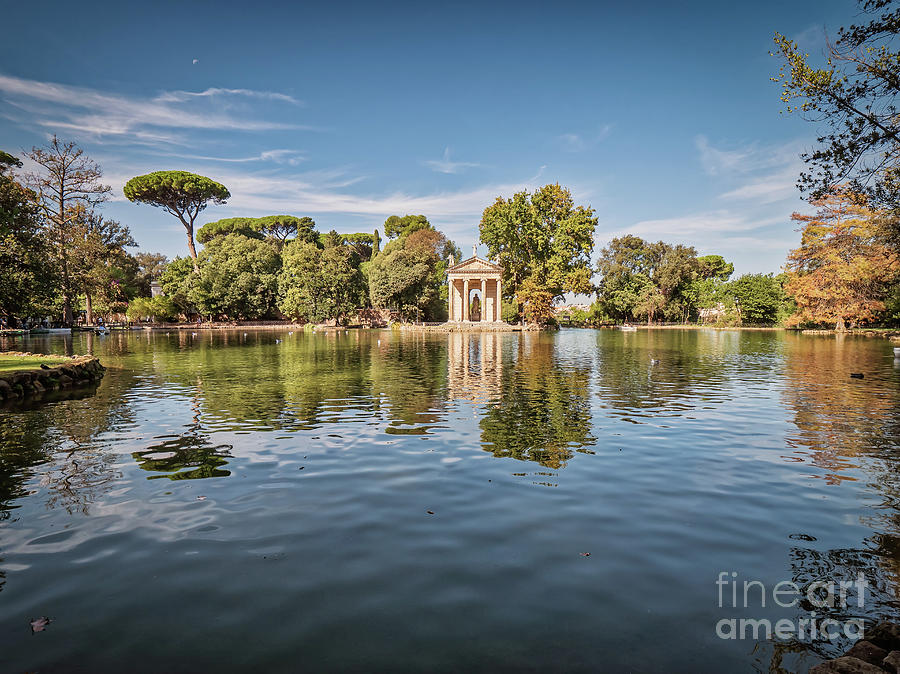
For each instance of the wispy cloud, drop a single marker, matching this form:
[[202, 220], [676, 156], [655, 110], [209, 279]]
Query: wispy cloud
[[445, 165], [747, 217], [574, 142], [104, 116], [288, 157], [181, 96], [763, 174]]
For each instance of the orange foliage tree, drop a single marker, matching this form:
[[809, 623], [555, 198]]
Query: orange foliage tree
[[842, 269]]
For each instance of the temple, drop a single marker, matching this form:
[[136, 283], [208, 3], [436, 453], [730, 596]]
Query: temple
[[475, 289]]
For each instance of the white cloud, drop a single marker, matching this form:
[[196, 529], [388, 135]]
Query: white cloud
[[445, 165], [104, 116], [289, 157], [181, 96]]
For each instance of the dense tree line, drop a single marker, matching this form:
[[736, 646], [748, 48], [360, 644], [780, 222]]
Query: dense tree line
[[59, 254], [644, 281], [281, 266]]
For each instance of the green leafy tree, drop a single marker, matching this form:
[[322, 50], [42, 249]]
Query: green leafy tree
[[318, 284], [150, 268], [852, 94], [410, 274], [238, 278], [714, 267], [330, 239], [396, 226], [760, 297], [159, 308], [281, 228], [100, 265], [651, 280], [66, 179], [244, 226], [542, 237], [177, 282], [26, 279], [184, 195]]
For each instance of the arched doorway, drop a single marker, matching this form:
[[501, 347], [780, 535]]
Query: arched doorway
[[475, 306]]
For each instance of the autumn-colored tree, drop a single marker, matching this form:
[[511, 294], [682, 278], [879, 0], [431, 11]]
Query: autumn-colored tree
[[844, 265]]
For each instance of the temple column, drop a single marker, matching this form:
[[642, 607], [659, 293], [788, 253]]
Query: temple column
[[465, 316], [483, 316], [498, 312], [449, 299]]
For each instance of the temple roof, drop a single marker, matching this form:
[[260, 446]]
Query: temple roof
[[475, 264]]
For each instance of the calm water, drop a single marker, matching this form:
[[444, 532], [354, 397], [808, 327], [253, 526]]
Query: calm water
[[373, 501]]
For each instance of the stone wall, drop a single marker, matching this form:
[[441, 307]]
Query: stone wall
[[78, 371]]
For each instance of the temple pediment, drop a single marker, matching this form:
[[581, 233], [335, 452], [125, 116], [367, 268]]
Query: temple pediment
[[475, 265]]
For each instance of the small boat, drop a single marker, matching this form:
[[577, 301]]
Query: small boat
[[627, 328], [897, 352], [11, 332]]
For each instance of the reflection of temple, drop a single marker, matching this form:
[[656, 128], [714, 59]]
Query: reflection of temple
[[475, 365], [475, 289]]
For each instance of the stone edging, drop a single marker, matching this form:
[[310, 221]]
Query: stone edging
[[879, 652], [78, 371]]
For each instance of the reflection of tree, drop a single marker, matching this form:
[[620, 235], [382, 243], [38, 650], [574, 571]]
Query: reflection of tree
[[809, 566], [543, 412], [25, 439], [300, 381], [79, 478], [58, 431], [840, 420], [845, 428], [694, 370], [189, 456]]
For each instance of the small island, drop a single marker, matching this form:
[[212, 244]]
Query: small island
[[25, 374]]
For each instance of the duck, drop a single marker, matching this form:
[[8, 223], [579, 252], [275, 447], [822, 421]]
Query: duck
[[278, 341]]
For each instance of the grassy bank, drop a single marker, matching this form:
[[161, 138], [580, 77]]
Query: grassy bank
[[10, 362]]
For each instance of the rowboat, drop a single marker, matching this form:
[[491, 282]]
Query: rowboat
[[627, 328], [10, 332], [51, 331]]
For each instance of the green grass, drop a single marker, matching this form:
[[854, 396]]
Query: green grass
[[10, 363]]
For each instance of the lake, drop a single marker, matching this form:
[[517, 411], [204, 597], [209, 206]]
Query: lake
[[398, 501]]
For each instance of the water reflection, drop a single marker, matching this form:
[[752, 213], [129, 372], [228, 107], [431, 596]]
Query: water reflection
[[541, 409], [366, 458], [839, 420], [190, 456]]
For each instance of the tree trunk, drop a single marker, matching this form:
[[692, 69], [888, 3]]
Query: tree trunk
[[88, 309], [839, 325], [192, 249]]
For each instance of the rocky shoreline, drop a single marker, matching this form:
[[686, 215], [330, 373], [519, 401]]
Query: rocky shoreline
[[879, 652], [77, 371]]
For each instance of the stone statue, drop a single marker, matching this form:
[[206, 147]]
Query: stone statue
[[475, 250], [452, 259]]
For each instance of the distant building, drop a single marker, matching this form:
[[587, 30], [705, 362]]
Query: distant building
[[155, 289]]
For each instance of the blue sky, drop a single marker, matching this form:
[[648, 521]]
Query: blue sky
[[661, 116]]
